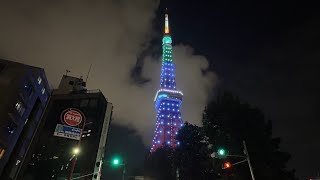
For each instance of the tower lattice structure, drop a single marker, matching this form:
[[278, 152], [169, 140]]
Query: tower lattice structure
[[168, 99]]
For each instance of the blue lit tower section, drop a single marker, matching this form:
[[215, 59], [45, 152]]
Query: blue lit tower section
[[168, 99]]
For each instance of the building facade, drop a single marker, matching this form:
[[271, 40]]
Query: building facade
[[74, 118], [168, 99], [24, 91]]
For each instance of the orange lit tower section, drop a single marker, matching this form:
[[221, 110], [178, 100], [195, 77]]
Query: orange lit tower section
[[168, 99]]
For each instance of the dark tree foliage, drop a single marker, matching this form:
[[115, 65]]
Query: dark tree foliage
[[228, 121], [159, 164], [191, 156]]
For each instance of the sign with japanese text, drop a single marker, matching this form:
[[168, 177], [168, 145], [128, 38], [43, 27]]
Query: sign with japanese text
[[67, 132], [72, 116]]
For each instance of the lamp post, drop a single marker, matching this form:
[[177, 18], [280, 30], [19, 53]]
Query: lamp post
[[124, 171], [248, 159], [76, 151]]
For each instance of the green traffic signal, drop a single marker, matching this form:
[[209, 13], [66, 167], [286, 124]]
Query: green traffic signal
[[221, 152], [115, 161]]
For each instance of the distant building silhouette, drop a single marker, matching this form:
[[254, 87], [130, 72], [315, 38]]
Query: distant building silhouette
[[74, 117]]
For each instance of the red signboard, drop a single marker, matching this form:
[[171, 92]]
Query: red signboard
[[72, 116]]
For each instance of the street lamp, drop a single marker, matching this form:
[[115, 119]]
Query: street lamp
[[76, 151]]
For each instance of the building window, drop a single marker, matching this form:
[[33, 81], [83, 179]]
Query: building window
[[11, 127], [43, 90], [19, 107], [39, 80], [2, 151], [28, 89]]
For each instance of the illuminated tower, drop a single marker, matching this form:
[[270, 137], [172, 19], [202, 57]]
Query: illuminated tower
[[168, 99]]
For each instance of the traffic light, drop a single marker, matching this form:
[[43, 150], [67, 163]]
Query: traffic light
[[115, 161], [226, 165], [221, 152]]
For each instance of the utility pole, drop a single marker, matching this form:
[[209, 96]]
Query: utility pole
[[124, 171], [248, 159], [177, 172], [74, 160]]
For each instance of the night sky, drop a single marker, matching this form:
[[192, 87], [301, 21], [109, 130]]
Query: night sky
[[265, 52]]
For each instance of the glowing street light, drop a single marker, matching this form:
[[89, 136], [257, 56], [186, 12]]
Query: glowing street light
[[76, 151]]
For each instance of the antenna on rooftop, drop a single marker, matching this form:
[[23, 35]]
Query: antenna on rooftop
[[88, 72]]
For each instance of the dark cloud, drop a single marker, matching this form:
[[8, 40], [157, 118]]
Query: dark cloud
[[110, 35]]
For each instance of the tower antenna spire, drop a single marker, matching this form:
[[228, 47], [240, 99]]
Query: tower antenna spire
[[166, 23]]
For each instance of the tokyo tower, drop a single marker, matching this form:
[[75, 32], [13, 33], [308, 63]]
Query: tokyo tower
[[168, 99]]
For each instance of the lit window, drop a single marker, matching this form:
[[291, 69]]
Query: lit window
[[28, 89], [11, 127], [43, 90], [2, 151], [39, 80], [18, 105]]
